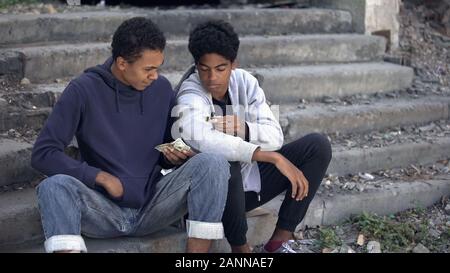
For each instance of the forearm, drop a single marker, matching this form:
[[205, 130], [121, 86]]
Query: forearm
[[51, 161], [265, 156]]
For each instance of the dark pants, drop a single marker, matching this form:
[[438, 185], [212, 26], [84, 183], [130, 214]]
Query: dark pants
[[311, 154]]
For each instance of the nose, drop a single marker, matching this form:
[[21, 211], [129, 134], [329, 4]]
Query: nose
[[212, 76], [153, 75]]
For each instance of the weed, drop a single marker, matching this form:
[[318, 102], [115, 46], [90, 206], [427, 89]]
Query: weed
[[328, 238], [392, 235], [7, 3]]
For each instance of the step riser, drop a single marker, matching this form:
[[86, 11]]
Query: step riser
[[362, 119], [38, 99], [395, 198], [12, 64], [260, 228], [100, 26], [15, 167], [400, 198], [291, 84], [43, 64], [23, 119], [22, 227], [312, 82], [312, 50], [47, 65], [403, 155]]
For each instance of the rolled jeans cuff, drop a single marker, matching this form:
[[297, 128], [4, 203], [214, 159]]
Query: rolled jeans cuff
[[204, 230], [65, 242]]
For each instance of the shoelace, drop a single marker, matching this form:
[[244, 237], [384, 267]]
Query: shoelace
[[286, 247]]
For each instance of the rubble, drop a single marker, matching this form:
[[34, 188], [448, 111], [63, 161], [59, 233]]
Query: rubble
[[25, 81], [394, 135], [352, 239], [333, 184], [20, 186], [420, 249], [360, 240], [424, 46], [373, 247]]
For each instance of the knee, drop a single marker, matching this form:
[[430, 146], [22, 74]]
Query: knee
[[54, 185], [322, 146], [213, 166], [212, 162]]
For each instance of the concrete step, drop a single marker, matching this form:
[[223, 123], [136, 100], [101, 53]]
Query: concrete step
[[317, 117], [395, 196], [21, 225], [18, 117], [324, 210], [281, 85], [344, 161], [47, 62], [35, 96], [20, 217], [361, 117], [100, 25], [354, 160], [15, 162], [290, 84]]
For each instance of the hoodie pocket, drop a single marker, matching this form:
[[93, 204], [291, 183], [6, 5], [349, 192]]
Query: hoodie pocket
[[134, 194]]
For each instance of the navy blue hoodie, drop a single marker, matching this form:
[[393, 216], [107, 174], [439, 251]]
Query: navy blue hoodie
[[117, 128]]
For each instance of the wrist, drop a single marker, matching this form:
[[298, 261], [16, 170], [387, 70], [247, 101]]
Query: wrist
[[276, 157], [265, 156]]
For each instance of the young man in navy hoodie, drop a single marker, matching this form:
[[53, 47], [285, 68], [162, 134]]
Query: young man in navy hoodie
[[118, 112]]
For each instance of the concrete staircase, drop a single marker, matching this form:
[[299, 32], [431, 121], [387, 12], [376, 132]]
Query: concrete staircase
[[299, 54]]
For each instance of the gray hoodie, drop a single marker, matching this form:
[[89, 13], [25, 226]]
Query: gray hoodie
[[248, 103]]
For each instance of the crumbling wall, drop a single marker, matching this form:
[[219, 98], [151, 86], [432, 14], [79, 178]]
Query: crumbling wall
[[370, 16]]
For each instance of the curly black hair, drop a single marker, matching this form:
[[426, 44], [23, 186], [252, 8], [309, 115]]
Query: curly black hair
[[135, 35], [216, 36]]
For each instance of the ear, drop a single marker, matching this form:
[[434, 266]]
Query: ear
[[121, 63], [234, 64]]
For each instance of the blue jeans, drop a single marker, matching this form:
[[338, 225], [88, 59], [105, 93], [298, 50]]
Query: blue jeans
[[199, 187]]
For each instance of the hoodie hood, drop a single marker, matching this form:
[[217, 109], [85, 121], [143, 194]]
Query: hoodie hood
[[128, 92]]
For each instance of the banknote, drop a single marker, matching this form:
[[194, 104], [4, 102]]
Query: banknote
[[178, 145]]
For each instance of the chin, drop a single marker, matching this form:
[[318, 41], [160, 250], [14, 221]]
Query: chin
[[141, 88]]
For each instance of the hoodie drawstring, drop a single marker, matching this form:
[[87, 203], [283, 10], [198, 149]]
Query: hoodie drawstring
[[117, 99], [142, 102]]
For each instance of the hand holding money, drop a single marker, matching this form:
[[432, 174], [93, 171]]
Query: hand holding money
[[230, 125], [176, 152], [178, 144]]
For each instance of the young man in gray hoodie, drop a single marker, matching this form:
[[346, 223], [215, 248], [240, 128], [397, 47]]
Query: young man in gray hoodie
[[223, 110]]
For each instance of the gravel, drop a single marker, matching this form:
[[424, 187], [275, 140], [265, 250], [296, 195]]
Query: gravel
[[429, 132], [431, 226]]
